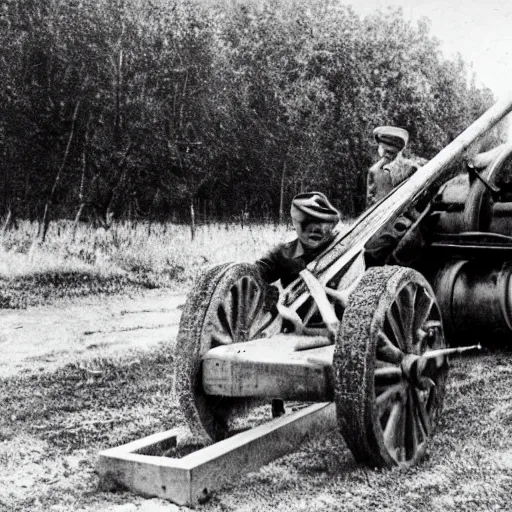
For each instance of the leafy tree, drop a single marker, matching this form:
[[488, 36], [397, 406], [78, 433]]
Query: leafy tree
[[155, 109]]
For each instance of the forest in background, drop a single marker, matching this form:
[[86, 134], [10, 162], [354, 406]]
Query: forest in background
[[153, 110]]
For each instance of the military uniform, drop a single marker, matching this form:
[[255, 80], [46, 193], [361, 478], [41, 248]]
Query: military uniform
[[287, 260], [378, 183], [388, 173], [312, 214]]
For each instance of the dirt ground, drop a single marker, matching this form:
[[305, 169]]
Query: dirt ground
[[38, 341], [45, 465], [46, 337]]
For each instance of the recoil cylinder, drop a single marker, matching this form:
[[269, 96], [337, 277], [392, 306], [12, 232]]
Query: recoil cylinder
[[475, 298]]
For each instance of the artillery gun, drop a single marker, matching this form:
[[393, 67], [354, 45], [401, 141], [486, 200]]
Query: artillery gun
[[419, 271]]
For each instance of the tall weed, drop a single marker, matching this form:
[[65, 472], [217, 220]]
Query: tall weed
[[162, 254]]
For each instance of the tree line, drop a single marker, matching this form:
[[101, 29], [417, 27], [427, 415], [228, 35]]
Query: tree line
[[159, 109]]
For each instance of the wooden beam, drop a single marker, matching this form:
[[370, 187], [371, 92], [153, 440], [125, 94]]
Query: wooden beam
[[319, 295], [191, 479], [269, 368]]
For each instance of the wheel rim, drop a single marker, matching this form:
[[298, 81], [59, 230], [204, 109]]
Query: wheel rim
[[227, 305], [387, 408], [406, 412]]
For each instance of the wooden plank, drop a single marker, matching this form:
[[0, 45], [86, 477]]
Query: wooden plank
[[191, 479], [222, 462], [149, 475], [161, 441], [267, 369], [318, 293], [321, 356]]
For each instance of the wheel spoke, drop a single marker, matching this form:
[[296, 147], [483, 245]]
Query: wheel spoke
[[386, 350], [234, 310], [222, 321], [254, 296], [221, 339], [251, 307], [239, 308], [313, 308], [385, 377], [248, 298], [395, 327], [406, 301], [241, 302], [394, 429], [388, 371], [420, 338], [423, 323], [257, 325], [422, 412], [423, 308], [413, 434], [420, 429], [401, 432], [387, 398]]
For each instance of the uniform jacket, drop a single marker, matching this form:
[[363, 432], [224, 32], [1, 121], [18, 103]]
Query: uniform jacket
[[384, 176], [286, 261]]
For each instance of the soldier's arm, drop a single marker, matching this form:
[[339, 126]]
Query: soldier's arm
[[270, 265], [370, 187], [402, 169]]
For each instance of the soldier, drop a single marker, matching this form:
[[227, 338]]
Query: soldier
[[314, 219], [393, 167], [316, 222]]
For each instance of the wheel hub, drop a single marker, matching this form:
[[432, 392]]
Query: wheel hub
[[414, 369]]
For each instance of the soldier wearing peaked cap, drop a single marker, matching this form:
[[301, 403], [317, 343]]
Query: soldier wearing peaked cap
[[393, 167], [314, 219], [391, 136], [316, 222]]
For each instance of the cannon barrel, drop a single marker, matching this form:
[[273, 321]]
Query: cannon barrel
[[340, 266], [433, 174], [349, 245]]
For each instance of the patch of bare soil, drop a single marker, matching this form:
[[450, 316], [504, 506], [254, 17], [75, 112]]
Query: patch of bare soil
[[81, 376], [44, 338]]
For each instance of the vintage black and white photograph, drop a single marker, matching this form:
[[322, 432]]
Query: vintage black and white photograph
[[255, 255]]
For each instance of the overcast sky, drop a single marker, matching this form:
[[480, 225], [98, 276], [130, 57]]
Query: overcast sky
[[481, 30]]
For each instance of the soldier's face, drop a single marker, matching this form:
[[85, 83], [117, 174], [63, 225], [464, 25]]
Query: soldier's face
[[312, 233], [387, 151]]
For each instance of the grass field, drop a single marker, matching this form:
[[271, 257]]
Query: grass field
[[95, 261], [53, 423]]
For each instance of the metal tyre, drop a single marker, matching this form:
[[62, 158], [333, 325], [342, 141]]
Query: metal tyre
[[386, 411], [225, 306]]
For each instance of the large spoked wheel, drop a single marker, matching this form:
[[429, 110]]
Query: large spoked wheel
[[388, 397], [477, 214], [226, 306]]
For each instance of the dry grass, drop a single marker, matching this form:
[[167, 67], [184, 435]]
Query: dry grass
[[53, 425], [96, 261]]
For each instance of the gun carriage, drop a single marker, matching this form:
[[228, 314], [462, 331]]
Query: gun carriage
[[370, 324]]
